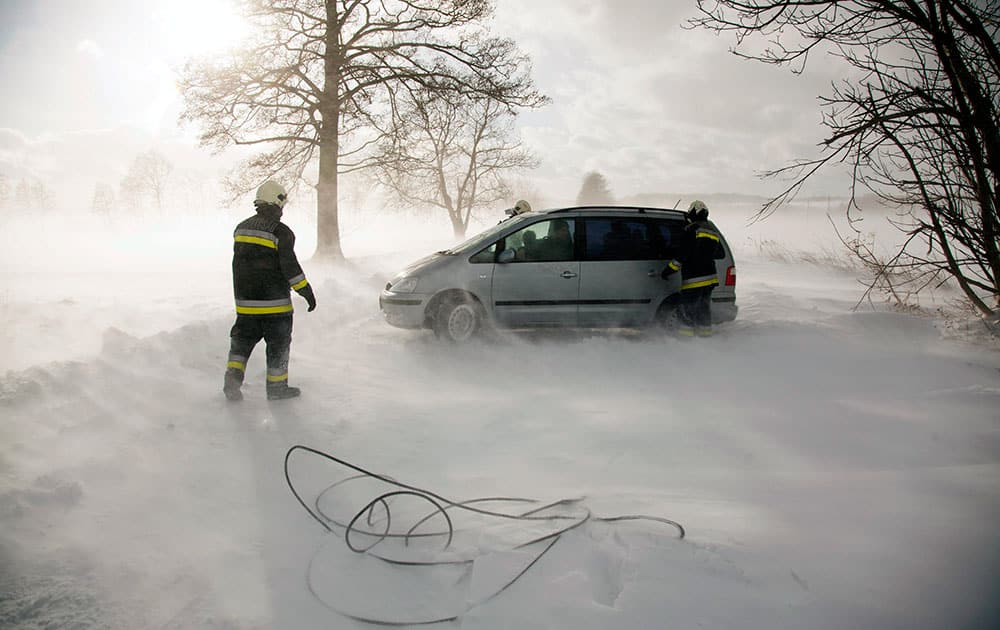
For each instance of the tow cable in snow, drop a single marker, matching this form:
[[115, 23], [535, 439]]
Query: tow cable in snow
[[407, 546]]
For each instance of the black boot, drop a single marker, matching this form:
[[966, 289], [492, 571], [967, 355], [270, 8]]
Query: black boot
[[231, 388], [282, 392]]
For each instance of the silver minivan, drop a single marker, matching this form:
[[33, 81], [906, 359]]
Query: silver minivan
[[584, 267]]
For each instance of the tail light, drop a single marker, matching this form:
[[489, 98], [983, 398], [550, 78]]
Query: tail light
[[731, 276]]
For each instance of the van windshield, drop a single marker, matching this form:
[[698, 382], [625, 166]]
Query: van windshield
[[487, 236]]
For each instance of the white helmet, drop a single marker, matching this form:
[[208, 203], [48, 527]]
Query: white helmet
[[520, 207], [271, 192], [697, 211]]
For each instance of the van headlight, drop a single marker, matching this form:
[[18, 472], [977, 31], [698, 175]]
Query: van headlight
[[406, 285]]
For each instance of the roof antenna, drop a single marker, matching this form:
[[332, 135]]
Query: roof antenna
[[677, 204]]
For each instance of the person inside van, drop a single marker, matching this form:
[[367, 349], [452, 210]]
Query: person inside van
[[617, 241], [558, 245], [528, 251]]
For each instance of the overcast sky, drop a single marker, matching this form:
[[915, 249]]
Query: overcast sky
[[653, 106]]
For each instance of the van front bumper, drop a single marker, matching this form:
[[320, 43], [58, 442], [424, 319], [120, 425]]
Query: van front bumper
[[403, 310]]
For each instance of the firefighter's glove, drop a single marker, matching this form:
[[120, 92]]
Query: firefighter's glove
[[672, 267], [307, 293]]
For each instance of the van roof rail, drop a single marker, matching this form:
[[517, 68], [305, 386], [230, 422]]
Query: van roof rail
[[639, 209]]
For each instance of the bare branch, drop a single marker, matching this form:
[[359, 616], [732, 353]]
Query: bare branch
[[921, 129], [319, 80]]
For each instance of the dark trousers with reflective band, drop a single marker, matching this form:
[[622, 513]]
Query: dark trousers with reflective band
[[276, 331], [695, 312]]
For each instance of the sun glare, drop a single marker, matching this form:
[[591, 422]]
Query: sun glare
[[200, 27]]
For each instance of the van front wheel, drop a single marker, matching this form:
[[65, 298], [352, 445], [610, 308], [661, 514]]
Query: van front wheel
[[457, 321]]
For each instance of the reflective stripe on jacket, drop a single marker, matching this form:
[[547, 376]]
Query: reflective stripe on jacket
[[699, 281]]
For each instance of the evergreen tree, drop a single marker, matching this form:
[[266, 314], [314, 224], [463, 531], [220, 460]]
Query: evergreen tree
[[594, 191]]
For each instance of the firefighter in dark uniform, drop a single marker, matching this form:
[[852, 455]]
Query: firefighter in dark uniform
[[265, 270], [700, 246]]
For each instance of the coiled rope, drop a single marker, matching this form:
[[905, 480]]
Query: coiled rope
[[373, 524]]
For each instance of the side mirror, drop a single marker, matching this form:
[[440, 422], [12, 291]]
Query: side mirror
[[506, 256]]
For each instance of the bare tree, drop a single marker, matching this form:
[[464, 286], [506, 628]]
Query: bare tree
[[318, 77], [41, 195], [529, 189], [130, 194], [921, 129], [147, 175], [594, 190], [22, 194], [104, 199], [31, 192], [452, 151], [5, 191]]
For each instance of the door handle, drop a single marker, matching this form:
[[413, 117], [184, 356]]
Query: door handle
[[652, 273], [568, 274]]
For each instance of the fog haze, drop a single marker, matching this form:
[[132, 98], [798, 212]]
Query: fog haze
[[650, 104], [833, 458], [829, 465]]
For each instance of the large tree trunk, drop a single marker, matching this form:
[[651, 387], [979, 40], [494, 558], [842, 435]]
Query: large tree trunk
[[327, 211], [457, 226], [327, 218]]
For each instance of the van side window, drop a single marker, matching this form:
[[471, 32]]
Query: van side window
[[668, 237], [545, 241], [620, 239]]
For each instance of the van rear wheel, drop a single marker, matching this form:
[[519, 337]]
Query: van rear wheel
[[457, 321]]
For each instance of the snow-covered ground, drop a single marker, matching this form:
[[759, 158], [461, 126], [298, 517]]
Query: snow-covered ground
[[832, 468]]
